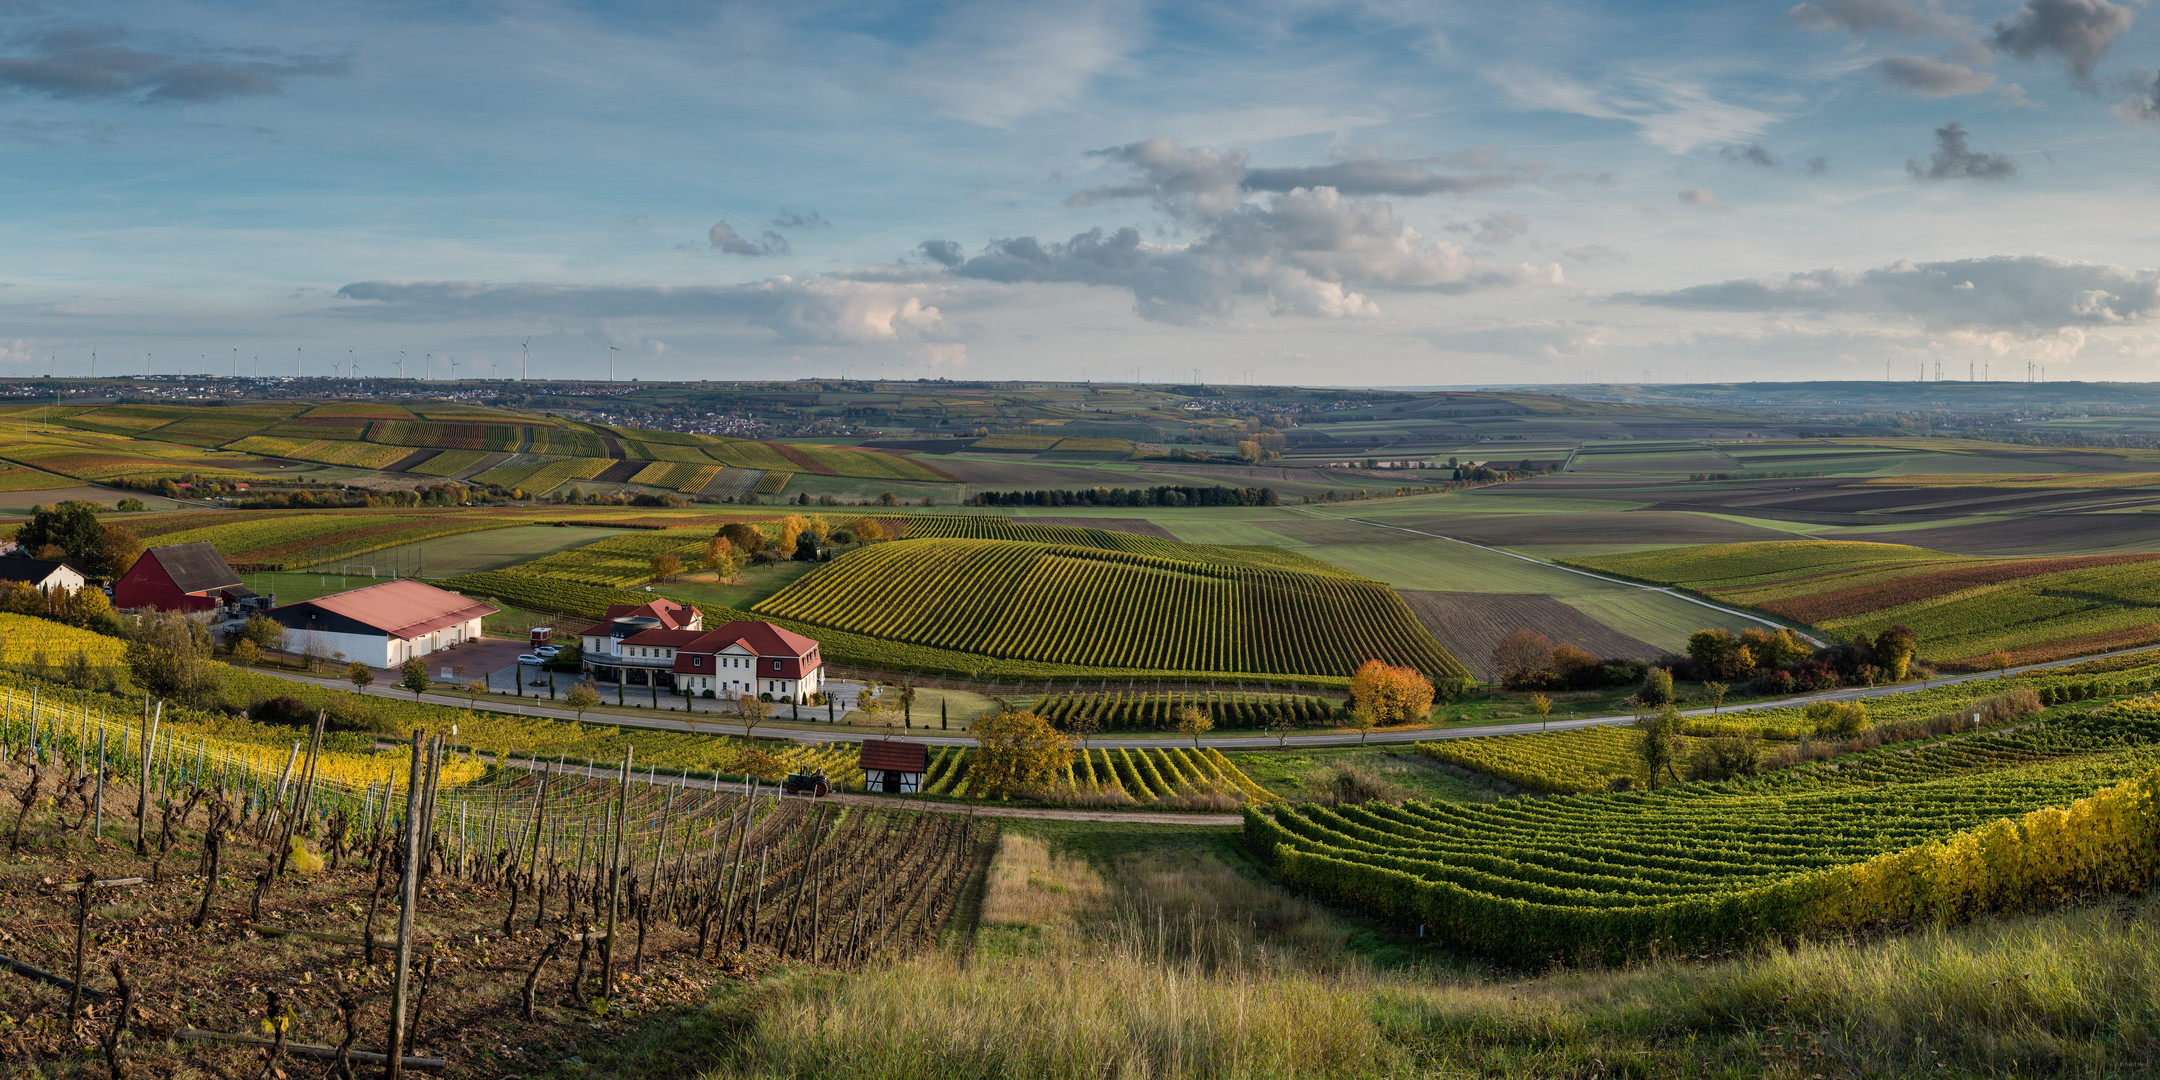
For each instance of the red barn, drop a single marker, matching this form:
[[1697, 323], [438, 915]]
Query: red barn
[[179, 577]]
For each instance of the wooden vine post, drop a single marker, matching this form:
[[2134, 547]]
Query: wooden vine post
[[409, 890], [607, 946]]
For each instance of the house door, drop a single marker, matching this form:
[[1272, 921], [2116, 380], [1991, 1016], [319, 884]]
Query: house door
[[892, 782]]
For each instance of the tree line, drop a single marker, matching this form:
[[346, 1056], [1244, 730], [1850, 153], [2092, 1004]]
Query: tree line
[[1165, 495]]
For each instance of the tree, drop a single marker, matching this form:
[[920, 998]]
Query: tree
[[791, 529], [360, 674], [1717, 691], [118, 548], [245, 653], [582, 696], [1998, 660], [1364, 719], [867, 530], [267, 633], [721, 558], [129, 505], [751, 712], [1842, 718], [1521, 658], [1015, 752], [1248, 451], [1194, 722], [806, 546], [1708, 647], [1082, 724], [666, 564], [1541, 704], [169, 657], [1660, 745], [1656, 688], [413, 676], [820, 528], [888, 499], [71, 526], [747, 538], [1894, 650], [1737, 663], [1395, 695], [905, 699]]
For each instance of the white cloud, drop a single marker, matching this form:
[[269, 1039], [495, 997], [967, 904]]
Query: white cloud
[[2030, 295], [1671, 112], [819, 310], [1696, 196], [994, 63]]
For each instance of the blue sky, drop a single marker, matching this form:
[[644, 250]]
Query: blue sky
[[1306, 192]]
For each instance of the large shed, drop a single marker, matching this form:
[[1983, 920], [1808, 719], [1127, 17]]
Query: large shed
[[894, 767], [179, 577], [383, 625]]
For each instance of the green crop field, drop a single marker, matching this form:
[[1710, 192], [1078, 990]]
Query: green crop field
[[280, 540], [1146, 711], [1963, 609], [1095, 607], [1148, 777], [620, 562], [1986, 822]]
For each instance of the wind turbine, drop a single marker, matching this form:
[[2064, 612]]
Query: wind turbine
[[296, 361], [93, 363], [493, 364], [611, 351], [429, 370], [349, 363], [146, 365], [235, 362], [525, 365], [455, 364], [401, 364]]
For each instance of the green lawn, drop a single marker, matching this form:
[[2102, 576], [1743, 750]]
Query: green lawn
[[488, 549], [755, 584]]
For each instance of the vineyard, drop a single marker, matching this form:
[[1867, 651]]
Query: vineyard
[[1564, 762], [98, 457], [284, 540], [951, 527], [1963, 609], [1983, 823], [1094, 607], [1173, 777], [540, 903], [1146, 711]]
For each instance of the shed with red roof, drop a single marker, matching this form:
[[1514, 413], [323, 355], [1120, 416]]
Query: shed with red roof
[[383, 625]]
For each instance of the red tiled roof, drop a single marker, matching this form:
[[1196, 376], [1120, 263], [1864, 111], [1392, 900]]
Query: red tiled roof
[[403, 608], [671, 615], [895, 756]]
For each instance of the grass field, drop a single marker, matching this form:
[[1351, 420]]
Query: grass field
[[1963, 609]]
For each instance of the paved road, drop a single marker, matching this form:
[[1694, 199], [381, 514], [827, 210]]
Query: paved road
[[807, 731]]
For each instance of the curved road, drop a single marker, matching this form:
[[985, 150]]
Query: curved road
[[815, 732]]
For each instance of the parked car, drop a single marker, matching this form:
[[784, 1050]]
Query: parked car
[[547, 651], [529, 658]]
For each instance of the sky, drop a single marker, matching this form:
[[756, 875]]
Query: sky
[[1298, 192]]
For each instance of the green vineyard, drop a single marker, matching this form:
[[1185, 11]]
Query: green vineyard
[[1100, 608], [1159, 712], [1981, 822], [1143, 776]]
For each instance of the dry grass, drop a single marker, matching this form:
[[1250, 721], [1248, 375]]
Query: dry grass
[[1030, 886]]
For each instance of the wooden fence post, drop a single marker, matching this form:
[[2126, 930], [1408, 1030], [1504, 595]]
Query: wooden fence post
[[409, 890]]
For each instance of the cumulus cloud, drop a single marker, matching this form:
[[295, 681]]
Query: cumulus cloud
[[1751, 154], [945, 253], [2143, 104], [94, 63], [1696, 196], [1861, 17], [1303, 252], [2079, 31], [2027, 294], [1955, 160], [1204, 180], [1931, 78], [1494, 228], [819, 310], [725, 238]]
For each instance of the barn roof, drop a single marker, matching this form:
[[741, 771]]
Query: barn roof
[[34, 571], [403, 608], [194, 568], [893, 755]]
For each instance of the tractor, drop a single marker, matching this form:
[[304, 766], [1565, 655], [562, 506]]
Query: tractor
[[813, 784]]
